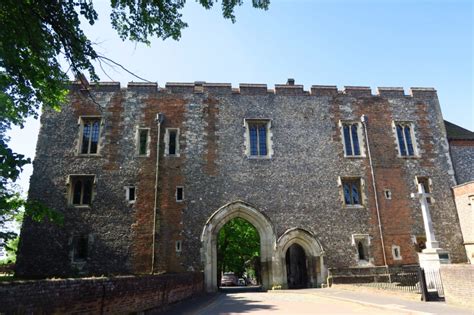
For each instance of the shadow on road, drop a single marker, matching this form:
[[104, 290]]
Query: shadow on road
[[222, 302], [242, 289]]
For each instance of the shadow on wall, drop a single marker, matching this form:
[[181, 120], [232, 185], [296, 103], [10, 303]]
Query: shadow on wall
[[84, 245]]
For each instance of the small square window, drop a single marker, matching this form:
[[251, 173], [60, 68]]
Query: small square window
[[351, 135], [172, 142], [396, 254], [178, 246], [257, 138], [143, 141], [351, 191], [179, 194], [89, 135], [80, 248], [130, 194], [405, 138], [81, 190], [387, 193]]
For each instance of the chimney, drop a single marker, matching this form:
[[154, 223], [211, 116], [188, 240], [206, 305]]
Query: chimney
[[290, 82]]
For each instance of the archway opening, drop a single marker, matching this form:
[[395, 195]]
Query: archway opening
[[238, 254], [296, 267]]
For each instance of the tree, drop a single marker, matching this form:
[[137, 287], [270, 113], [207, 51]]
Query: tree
[[35, 35], [238, 245], [11, 249]]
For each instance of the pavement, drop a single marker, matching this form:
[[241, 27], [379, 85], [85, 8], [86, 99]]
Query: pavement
[[311, 301]]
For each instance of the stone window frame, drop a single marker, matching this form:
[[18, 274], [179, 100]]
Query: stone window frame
[[366, 242], [137, 141], [167, 142], [360, 135], [269, 134], [178, 246], [413, 135], [419, 179], [182, 194], [396, 248], [73, 241], [362, 188], [80, 123], [70, 181], [127, 194], [387, 193]]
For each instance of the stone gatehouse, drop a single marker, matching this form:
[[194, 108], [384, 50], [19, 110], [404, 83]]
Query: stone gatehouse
[[301, 166]]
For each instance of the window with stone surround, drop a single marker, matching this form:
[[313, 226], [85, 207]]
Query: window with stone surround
[[179, 194], [81, 190], [178, 246], [80, 248], [361, 242], [387, 193], [172, 142], [351, 190], [89, 134], [351, 136], [257, 138], [405, 138], [396, 253], [130, 194], [143, 141]]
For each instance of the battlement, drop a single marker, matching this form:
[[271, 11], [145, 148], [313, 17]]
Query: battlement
[[288, 89]]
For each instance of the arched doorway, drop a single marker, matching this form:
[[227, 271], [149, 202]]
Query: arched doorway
[[210, 232], [308, 269], [238, 254], [296, 269]]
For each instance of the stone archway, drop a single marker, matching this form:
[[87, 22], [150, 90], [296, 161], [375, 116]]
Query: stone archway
[[313, 250], [209, 240]]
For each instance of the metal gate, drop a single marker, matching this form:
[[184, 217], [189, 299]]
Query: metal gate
[[431, 285]]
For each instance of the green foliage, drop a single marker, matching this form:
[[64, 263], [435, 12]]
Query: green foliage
[[11, 248], [238, 244], [34, 36]]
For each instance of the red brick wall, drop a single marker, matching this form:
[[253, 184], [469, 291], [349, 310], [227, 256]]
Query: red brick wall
[[120, 295]]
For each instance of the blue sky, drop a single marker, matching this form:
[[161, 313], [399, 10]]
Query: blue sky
[[406, 43]]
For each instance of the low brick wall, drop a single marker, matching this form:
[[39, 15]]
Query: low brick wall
[[117, 295], [458, 284], [357, 275]]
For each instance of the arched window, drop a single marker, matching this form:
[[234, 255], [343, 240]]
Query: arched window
[[81, 190], [405, 139], [90, 135], [351, 139]]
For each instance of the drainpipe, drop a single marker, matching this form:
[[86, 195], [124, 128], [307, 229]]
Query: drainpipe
[[364, 121], [159, 120]]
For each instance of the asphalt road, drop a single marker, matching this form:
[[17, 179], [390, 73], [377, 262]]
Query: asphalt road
[[310, 301]]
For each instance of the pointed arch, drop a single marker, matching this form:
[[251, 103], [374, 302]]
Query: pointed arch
[[236, 209], [313, 250]]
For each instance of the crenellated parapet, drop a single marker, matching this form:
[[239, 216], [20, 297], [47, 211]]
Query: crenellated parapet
[[142, 87], [288, 89], [102, 86]]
